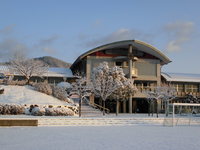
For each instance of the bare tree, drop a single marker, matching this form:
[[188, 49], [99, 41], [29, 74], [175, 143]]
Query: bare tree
[[105, 81], [163, 93], [82, 88], [27, 67], [152, 97], [169, 93]]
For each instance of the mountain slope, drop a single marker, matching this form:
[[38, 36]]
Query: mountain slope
[[53, 62]]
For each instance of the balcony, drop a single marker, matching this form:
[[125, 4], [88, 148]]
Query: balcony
[[142, 89]]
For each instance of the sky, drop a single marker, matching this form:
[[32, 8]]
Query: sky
[[67, 28]]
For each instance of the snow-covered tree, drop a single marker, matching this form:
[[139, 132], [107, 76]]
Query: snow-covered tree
[[168, 94], [152, 97], [164, 93], [126, 89], [105, 81], [82, 88], [27, 67]]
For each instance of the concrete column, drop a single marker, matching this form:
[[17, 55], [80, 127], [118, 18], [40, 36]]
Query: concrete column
[[130, 51], [158, 74], [88, 68], [199, 88], [124, 106]]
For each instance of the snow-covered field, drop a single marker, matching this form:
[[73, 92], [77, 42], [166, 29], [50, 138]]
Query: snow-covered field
[[26, 95], [100, 138]]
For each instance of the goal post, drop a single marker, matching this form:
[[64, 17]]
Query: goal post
[[184, 113]]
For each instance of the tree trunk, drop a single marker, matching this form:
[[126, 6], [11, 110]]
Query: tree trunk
[[27, 80], [104, 105], [80, 107], [149, 109], [166, 108], [157, 108], [167, 112], [152, 107]]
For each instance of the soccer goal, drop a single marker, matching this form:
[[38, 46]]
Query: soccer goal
[[183, 114]]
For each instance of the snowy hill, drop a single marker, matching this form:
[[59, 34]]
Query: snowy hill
[[53, 62], [26, 95], [48, 60]]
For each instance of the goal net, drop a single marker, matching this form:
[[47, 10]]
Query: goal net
[[183, 114]]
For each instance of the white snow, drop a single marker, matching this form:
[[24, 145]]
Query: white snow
[[51, 72], [64, 85], [100, 138], [59, 72], [26, 95]]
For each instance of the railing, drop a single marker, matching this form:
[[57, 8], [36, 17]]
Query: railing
[[100, 107], [142, 89], [94, 105]]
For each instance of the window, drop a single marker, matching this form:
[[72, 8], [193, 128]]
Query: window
[[178, 87], [118, 63], [146, 68], [191, 87]]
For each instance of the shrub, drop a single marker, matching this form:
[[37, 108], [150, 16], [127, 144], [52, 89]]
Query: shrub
[[37, 111], [74, 109], [15, 82], [11, 109], [59, 112], [60, 93], [43, 87]]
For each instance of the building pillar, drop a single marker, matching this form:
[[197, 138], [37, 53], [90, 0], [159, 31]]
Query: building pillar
[[199, 88], [88, 68], [124, 106], [130, 53]]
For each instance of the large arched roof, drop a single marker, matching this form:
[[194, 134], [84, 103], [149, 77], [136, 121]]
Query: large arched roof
[[141, 46]]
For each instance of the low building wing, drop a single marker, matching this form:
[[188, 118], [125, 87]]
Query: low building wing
[[181, 77]]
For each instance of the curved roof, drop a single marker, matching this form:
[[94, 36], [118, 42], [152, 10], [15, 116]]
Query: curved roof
[[141, 46], [181, 77]]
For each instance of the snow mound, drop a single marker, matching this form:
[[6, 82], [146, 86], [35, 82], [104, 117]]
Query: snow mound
[[26, 95]]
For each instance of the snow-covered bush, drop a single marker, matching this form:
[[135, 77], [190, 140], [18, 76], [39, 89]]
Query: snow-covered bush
[[60, 93], [59, 111], [11, 109], [65, 85], [74, 109], [43, 87], [50, 110], [36, 110]]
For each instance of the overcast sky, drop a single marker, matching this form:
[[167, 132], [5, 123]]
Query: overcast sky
[[66, 28]]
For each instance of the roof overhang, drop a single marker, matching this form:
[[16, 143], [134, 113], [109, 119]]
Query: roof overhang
[[181, 77], [139, 45]]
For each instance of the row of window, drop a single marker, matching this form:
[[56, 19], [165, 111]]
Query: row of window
[[186, 87]]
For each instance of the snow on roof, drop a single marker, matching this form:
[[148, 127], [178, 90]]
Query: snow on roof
[[59, 72], [52, 72], [181, 77], [4, 69]]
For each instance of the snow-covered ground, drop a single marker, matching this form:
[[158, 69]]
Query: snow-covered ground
[[100, 138], [26, 95]]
